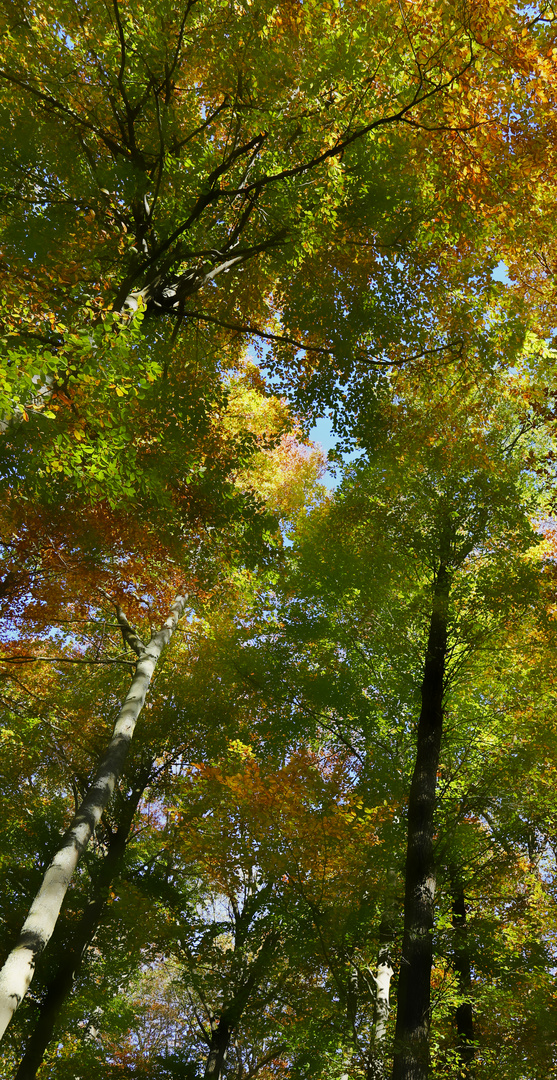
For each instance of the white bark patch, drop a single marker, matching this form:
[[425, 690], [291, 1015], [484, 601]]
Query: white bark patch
[[382, 1004]]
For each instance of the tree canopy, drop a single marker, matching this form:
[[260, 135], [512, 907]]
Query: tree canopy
[[279, 750]]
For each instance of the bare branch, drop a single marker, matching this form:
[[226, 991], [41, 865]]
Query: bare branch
[[323, 350], [26, 659], [189, 6], [177, 146], [49, 100], [273, 1053], [209, 195], [247, 328]]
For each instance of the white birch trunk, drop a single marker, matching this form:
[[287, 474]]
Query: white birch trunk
[[376, 1064], [18, 970], [382, 1002]]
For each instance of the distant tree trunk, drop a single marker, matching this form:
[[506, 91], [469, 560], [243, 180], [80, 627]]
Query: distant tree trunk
[[62, 982], [233, 1010], [411, 1061], [376, 1064], [461, 959], [18, 970]]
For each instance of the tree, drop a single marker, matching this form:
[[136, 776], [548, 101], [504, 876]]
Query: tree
[[44, 912], [331, 654], [443, 503], [61, 983], [148, 155], [192, 158], [18, 969]]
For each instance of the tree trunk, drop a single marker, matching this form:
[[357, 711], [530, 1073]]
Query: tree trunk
[[18, 970], [233, 1010], [376, 1067], [461, 959], [220, 1040], [376, 1064], [73, 951], [411, 1061]]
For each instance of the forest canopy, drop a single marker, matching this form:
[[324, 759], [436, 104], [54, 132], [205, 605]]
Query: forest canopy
[[279, 746]]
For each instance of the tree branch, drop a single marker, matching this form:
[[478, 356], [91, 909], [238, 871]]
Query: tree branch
[[26, 659], [340, 146], [130, 636]]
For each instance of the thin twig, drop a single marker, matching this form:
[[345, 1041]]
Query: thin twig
[[26, 659]]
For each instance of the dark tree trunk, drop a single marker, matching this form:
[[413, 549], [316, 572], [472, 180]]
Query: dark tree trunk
[[232, 1012], [220, 1041], [461, 959], [411, 1060], [74, 950]]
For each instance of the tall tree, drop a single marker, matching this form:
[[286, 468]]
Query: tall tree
[[62, 981], [37, 929], [442, 505]]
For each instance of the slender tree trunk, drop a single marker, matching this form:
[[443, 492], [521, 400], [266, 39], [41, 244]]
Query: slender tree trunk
[[376, 1064], [62, 982], [382, 1006], [376, 1067], [18, 970], [411, 1060], [231, 1014], [461, 959]]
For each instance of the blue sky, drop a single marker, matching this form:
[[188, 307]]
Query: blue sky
[[322, 433]]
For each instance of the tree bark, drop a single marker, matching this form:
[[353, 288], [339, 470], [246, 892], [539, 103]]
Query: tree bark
[[74, 950], [411, 1061], [461, 959], [37, 930], [382, 1008], [376, 1062], [220, 1040], [376, 1066]]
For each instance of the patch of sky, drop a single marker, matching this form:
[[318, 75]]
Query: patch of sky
[[501, 273], [63, 36], [322, 433]]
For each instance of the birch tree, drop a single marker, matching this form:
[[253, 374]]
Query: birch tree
[[37, 929]]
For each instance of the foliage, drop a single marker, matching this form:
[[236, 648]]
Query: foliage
[[203, 207]]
